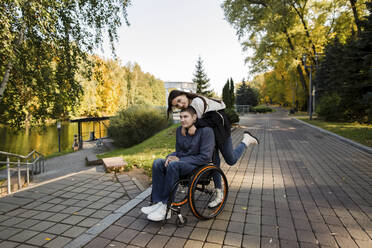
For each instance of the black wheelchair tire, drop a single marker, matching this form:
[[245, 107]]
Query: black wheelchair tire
[[193, 186]]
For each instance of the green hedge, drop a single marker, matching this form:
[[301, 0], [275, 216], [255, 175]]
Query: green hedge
[[135, 124], [261, 109], [232, 115]]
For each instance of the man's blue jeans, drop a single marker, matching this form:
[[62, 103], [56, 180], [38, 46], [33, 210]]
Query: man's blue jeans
[[230, 155], [163, 178]]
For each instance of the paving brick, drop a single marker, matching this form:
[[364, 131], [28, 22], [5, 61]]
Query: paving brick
[[175, 242], [139, 224], [287, 234], [159, 241], [326, 239], [193, 244], [269, 243], [42, 225], [289, 244], [12, 221], [58, 242], [126, 236], [88, 222], [212, 245], [125, 221], [199, 234], [215, 236], [269, 231], [73, 219], [168, 229], [41, 239], [27, 223], [233, 239], [23, 236], [253, 219], [111, 232], [8, 244], [251, 241], [58, 228], [252, 229], [235, 227], [306, 236], [74, 232], [141, 239], [97, 242]]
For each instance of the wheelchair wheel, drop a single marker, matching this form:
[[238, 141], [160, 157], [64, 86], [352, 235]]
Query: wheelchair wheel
[[180, 190], [202, 191]]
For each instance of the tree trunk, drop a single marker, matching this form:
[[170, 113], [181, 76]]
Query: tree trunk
[[299, 69], [301, 16], [5, 79], [9, 67], [356, 17]]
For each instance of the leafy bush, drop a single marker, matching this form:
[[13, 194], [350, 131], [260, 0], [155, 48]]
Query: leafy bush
[[137, 123], [262, 109], [329, 107], [232, 115]]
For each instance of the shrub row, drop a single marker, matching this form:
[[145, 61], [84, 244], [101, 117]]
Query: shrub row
[[135, 124]]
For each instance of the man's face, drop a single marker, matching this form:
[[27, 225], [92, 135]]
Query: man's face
[[187, 119]]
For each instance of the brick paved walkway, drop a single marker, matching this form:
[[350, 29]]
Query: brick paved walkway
[[298, 188], [53, 214]]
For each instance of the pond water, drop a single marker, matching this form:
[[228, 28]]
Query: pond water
[[45, 140]]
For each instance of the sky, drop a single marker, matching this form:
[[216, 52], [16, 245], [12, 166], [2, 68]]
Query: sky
[[166, 37]]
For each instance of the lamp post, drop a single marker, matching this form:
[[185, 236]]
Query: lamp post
[[59, 135], [310, 107]]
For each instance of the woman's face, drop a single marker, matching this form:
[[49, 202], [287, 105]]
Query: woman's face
[[180, 102], [187, 119]]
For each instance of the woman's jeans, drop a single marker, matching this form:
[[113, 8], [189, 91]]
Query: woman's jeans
[[163, 178], [230, 155]]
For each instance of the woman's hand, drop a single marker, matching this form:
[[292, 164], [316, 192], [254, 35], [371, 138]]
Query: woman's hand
[[183, 131], [192, 130], [170, 159]]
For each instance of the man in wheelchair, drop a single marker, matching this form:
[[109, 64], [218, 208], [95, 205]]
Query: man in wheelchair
[[191, 152]]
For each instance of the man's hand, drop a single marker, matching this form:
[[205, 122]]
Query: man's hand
[[192, 130], [170, 159], [183, 131]]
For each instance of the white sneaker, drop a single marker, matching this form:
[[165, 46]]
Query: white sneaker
[[159, 213], [217, 200], [249, 139], [152, 208]]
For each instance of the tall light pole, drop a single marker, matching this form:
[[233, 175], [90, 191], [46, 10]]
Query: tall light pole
[[59, 135], [310, 107], [317, 68]]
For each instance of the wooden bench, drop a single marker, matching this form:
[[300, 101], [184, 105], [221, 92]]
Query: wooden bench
[[116, 164]]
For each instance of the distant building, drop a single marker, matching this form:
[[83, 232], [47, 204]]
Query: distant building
[[184, 86]]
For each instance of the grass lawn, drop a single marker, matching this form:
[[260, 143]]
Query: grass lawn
[[143, 154], [361, 133]]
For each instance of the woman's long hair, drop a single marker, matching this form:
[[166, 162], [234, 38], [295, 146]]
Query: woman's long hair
[[175, 93]]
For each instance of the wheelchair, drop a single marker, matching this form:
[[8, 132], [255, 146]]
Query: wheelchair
[[197, 190]]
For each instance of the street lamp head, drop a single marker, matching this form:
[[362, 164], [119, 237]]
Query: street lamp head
[[58, 125]]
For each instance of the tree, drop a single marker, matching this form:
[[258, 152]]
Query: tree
[[43, 46], [245, 95], [228, 94], [201, 79], [279, 32], [345, 75]]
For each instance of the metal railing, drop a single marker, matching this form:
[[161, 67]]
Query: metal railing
[[243, 108], [34, 161]]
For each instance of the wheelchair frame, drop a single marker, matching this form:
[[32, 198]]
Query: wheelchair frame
[[198, 180]]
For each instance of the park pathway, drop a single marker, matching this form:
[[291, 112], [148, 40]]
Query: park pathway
[[299, 188]]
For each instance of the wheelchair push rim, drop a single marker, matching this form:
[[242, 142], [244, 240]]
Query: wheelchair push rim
[[202, 190]]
